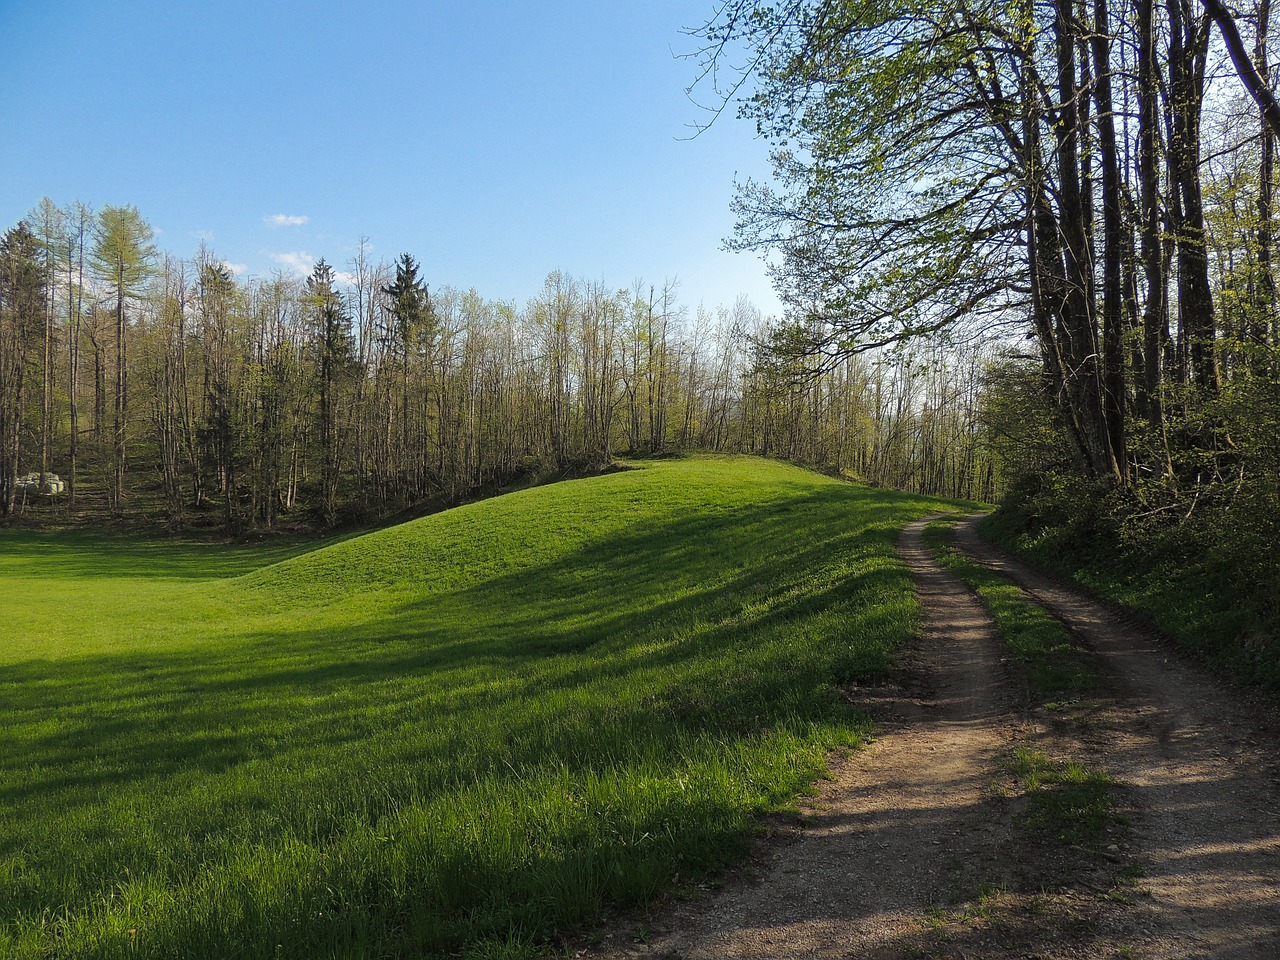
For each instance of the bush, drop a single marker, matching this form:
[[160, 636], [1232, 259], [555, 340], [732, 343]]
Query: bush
[[1191, 540]]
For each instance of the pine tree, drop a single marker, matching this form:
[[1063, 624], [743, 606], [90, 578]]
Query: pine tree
[[335, 352], [409, 306], [23, 280]]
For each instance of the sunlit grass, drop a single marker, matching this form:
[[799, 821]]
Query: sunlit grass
[[466, 733]]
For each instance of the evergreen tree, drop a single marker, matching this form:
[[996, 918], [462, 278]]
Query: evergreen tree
[[334, 348], [23, 281], [409, 308]]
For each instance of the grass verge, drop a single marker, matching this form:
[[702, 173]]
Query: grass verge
[[1053, 665], [1201, 587], [1066, 801]]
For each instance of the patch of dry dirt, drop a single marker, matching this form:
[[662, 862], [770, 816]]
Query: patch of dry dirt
[[914, 848]]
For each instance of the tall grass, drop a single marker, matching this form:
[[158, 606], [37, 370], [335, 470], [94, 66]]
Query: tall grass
[[461, 735]]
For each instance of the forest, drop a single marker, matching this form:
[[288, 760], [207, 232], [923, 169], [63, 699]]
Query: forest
[[160, 386], [1026, 253], [1092, 182]]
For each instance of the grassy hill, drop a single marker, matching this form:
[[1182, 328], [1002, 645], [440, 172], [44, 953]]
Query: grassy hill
[[461, 734]]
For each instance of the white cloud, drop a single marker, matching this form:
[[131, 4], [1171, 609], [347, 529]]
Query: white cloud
[[236, 268], [285, 220], [297, 261], [343, 277]]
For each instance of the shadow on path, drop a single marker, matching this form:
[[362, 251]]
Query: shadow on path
[[1202, 774]]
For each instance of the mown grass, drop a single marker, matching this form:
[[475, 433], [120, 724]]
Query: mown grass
[[461, 735]]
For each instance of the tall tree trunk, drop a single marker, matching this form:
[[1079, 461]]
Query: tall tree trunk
[[1264, 306], [75, 296], [46, 398], [1077, 329], [1155, 315], [1252, 75], [1112, 230], [1195, 297], [118, 464]]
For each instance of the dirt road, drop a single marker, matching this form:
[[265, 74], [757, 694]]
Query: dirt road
[[913, 848], [1203, 774]]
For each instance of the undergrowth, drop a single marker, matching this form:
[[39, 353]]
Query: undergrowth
[[1206, 571]]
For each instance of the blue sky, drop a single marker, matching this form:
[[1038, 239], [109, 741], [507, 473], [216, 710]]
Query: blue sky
[[495, 141]]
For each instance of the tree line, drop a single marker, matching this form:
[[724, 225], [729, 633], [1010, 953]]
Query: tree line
[[152, 382]]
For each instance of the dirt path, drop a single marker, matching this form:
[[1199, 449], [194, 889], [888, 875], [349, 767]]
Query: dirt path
[[895, 829], [911, 848], [1203, 775]]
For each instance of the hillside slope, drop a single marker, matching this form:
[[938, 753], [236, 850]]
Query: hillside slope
[[466, 732]]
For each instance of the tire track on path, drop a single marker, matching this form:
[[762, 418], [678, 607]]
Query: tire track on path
[[1203, 774]]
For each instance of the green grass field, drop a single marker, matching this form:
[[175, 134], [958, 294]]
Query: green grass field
[[461, 735]]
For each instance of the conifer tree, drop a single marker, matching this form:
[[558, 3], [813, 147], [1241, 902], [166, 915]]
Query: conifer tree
[[123, 254], [409, 308], [23, 281], [334, 348]]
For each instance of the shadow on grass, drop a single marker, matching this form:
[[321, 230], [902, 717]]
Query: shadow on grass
[[671, 644], [514, 621], [82, 554]]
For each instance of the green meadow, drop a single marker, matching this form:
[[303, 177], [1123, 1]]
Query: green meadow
[[463, 735]]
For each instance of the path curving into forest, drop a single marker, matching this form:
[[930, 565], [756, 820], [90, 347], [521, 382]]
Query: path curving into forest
[[898, 854]]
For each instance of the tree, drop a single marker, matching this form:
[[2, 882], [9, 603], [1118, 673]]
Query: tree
[[167, 386], [1252, 74], [50, 225], [935, 165], [122, 255], [410, 326], [334, 350], [216, 295], [23, 282], [79, 219]]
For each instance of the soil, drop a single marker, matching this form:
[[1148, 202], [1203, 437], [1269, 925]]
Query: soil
[[920, 846]]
